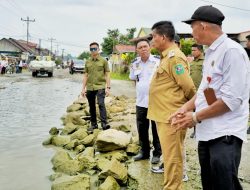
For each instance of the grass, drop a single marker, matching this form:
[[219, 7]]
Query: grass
[[119, 76]]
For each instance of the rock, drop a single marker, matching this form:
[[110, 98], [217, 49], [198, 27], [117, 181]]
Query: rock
[[116, 170], [54, 176], [89, 140], [89, 151], [79, 148], [119, 155], [73, 107], [109, 184], [112, 139], [47, 141], [72, 144], [79, 134], [60, 140], [116, 109], [70, 167], [133, 149], [53, 131], [87, 162], [102, 163], [69, 128], [74, 117], [72, 183], [124, 128], [60, 157]]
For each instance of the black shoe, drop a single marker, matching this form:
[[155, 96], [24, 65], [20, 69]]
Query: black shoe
[[92, 127], [105, 126], [155, 160], [141, 156]]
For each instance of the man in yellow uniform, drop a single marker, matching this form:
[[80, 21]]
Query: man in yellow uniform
[[170, 88], [196, 69]]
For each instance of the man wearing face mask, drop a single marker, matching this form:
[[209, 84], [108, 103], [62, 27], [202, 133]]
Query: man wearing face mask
[[96, 83]]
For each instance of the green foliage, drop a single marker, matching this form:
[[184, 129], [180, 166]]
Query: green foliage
[[58, 61], [154, 51], [114, 37], [84, 55], [186, 46]]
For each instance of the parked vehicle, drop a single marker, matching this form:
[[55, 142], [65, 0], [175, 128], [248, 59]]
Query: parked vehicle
[[78, 66], [42, 65]]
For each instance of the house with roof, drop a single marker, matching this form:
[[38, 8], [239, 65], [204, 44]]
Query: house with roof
[[117, 57], [20, 48]]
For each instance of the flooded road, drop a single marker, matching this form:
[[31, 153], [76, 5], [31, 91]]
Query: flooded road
[[29, 107]]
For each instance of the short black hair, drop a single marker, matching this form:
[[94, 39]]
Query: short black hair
[[235, 39], [165, 28], [199, 47], [142, 40], [94, 43]]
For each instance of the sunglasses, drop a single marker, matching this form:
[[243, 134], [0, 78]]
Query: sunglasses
[[93, 49]]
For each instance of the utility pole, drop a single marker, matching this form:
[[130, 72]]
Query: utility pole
[[28, 21], [62, 53], [40, 42], [51, 40]]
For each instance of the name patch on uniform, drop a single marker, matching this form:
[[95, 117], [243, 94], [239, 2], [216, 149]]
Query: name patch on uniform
[[179, 69]]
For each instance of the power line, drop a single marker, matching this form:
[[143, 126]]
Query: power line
[[28, 21], [232, 7]]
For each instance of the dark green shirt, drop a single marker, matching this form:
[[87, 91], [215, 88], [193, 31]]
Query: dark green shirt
[[196, 71], [96, 69]]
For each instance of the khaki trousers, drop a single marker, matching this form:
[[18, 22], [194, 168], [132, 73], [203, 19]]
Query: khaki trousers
[[172, 149]]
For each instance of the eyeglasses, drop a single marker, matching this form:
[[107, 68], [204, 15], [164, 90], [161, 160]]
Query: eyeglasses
[[93, 49]]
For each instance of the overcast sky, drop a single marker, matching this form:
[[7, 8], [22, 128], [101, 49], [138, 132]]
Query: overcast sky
[[76, 23]]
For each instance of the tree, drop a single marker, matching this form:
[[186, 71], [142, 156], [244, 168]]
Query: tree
[[114, 37], [186, 46], [84, 55]]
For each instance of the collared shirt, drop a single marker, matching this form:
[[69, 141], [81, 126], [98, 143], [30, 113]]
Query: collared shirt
[[171, 85], [142, 73], [196, 70], [227, 64], [96, 69]]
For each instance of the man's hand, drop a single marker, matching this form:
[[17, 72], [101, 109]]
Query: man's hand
[[83, 93], [185, 121], [107, 91], [178, 114]]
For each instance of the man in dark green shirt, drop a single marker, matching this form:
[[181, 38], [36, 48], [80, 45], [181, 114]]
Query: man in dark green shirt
[[96, 83], [196, 68]]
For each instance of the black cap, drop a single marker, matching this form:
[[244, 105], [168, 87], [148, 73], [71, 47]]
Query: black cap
[[208, 14], [248, 37]]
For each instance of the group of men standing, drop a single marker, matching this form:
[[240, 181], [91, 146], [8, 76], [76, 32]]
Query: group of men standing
[[211, 93]]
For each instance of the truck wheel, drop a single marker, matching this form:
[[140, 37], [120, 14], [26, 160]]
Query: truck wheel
[[34, 74], [50, 74]]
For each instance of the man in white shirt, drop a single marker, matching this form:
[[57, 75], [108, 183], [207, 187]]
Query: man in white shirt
[[141, 71], [221, 102]]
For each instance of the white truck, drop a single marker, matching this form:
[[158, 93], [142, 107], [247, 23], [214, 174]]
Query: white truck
[[42, 65]]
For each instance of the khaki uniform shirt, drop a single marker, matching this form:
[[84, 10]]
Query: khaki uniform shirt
[[196, 71], [96, 69], [171, 85]]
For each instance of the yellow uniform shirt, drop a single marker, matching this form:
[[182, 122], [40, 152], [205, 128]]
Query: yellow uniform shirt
[[171, 85]]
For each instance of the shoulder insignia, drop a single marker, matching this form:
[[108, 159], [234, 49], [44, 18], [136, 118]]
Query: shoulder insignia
[[171, 54], [179, 69]]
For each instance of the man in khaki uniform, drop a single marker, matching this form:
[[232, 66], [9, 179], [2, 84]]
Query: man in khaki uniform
[[196, 68], [170, 88]]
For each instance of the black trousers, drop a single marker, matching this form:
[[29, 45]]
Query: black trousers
[[219, 160], [142, 127], [91, 96]]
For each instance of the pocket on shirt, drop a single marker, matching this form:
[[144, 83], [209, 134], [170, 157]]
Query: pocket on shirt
[[99, 68]]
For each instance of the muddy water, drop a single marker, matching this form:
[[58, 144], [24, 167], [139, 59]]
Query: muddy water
[[29, 107]]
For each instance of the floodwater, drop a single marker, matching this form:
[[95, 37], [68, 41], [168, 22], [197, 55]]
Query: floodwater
[[29, 107]]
